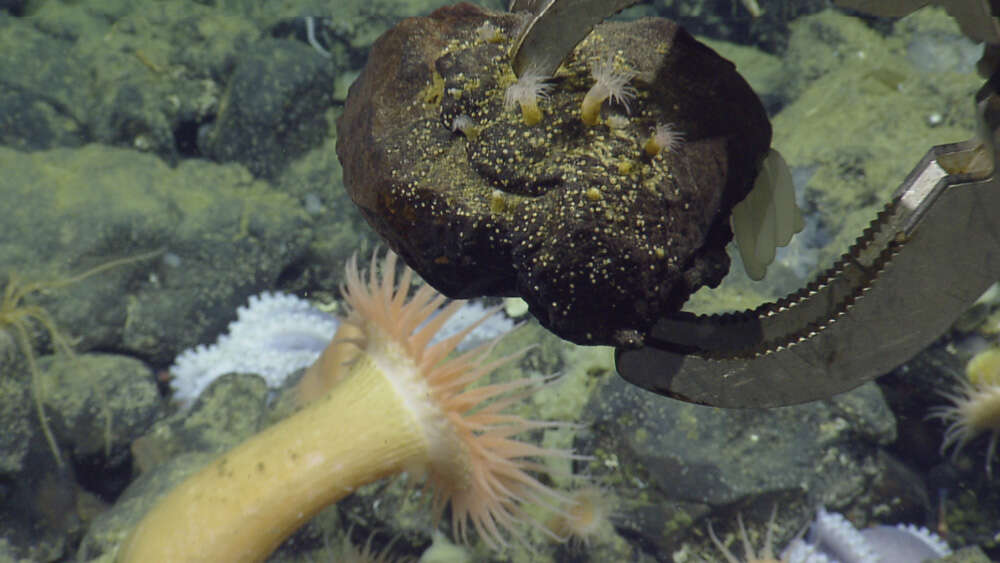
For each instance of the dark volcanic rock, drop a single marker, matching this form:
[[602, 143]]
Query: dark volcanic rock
[[273, 108], [599, 238]]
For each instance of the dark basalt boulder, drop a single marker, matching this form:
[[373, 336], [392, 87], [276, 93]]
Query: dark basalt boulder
[[598, 237]]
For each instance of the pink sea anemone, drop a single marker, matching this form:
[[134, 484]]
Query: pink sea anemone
[[475, 462], [393, 402]]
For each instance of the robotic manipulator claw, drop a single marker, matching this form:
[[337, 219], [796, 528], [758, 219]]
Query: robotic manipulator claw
[[929, 254]]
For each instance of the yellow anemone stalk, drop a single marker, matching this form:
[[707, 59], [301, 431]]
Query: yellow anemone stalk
[[402, 404]]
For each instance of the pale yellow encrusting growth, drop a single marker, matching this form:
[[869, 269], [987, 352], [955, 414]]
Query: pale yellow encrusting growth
[[399, 404]]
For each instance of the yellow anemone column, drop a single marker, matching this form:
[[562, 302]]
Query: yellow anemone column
[[241, 506]]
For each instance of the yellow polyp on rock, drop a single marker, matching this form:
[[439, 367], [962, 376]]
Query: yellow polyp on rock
[[498, 204], [651, 147], [531, 113], [434, 92], [984, 368], [590, 109]]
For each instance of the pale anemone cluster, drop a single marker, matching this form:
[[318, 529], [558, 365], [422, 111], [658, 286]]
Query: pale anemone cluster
[[766, 219], [609, 83]]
